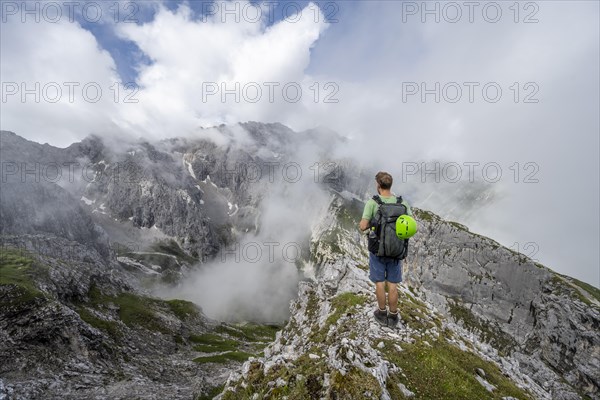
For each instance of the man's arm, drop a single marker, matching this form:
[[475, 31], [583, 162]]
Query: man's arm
[[368, 213], [364, 224]]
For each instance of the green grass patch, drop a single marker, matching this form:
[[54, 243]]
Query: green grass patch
[[183, 309], [564, 287], [253, 336], [424, 215], [355, 384], [443, 371], [391, 384], [211, 393], [225, 357], [364, 267], [15, 267], [137, 310], [110, 327], [592, 290], [211, 343], [345, 303], [458, 226], [134, 310], [250, 332], [209, 348], [18, 270]]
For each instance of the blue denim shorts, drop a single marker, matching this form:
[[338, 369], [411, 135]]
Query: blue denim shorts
[[384, 269]]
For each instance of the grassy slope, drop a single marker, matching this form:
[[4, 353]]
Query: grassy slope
[[17, 272], [20, 270]]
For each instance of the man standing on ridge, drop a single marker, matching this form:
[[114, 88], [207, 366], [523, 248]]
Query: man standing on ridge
[[381, 268]]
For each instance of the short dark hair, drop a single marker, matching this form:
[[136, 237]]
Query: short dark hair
[[384, 180]]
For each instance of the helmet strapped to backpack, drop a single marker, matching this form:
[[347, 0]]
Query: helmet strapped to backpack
[[383, 241], [406, 227]]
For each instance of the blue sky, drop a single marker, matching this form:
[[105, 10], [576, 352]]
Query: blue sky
[[127, 54]]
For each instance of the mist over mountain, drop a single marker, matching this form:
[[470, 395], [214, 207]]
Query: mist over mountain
[[164, 268]]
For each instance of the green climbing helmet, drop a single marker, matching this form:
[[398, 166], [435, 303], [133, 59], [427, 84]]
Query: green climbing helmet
[[406, 227]]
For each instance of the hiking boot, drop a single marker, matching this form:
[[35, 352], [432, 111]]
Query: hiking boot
[[380, 316], [392, 320]]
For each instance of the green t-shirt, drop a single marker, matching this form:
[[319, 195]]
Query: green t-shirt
[[371, 206]]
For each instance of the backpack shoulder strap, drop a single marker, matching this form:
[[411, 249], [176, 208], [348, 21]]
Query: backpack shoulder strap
[[398, 199], [377, 199]]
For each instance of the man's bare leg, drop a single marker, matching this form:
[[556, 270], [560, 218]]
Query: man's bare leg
[[393, 297], [380, 293]]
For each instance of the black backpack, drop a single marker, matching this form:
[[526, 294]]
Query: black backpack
[[383, 241]]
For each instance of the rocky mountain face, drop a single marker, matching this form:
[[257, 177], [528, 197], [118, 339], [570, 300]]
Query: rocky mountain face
[[73, 327], [81, 253], [478, 321]]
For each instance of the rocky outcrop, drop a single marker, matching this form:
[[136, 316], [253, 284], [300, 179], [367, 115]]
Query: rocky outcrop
[[73, 326], [474, 342], [523, 308]]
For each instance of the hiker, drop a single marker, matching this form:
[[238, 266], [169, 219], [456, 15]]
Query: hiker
[[387, 266]]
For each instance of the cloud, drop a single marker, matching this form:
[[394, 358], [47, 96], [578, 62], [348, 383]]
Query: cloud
[[368, 57], [190, 56], [256, 277], [63, 68], [206, 72]]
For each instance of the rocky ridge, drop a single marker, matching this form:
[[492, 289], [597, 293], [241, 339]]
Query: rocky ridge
[[458, 338]]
